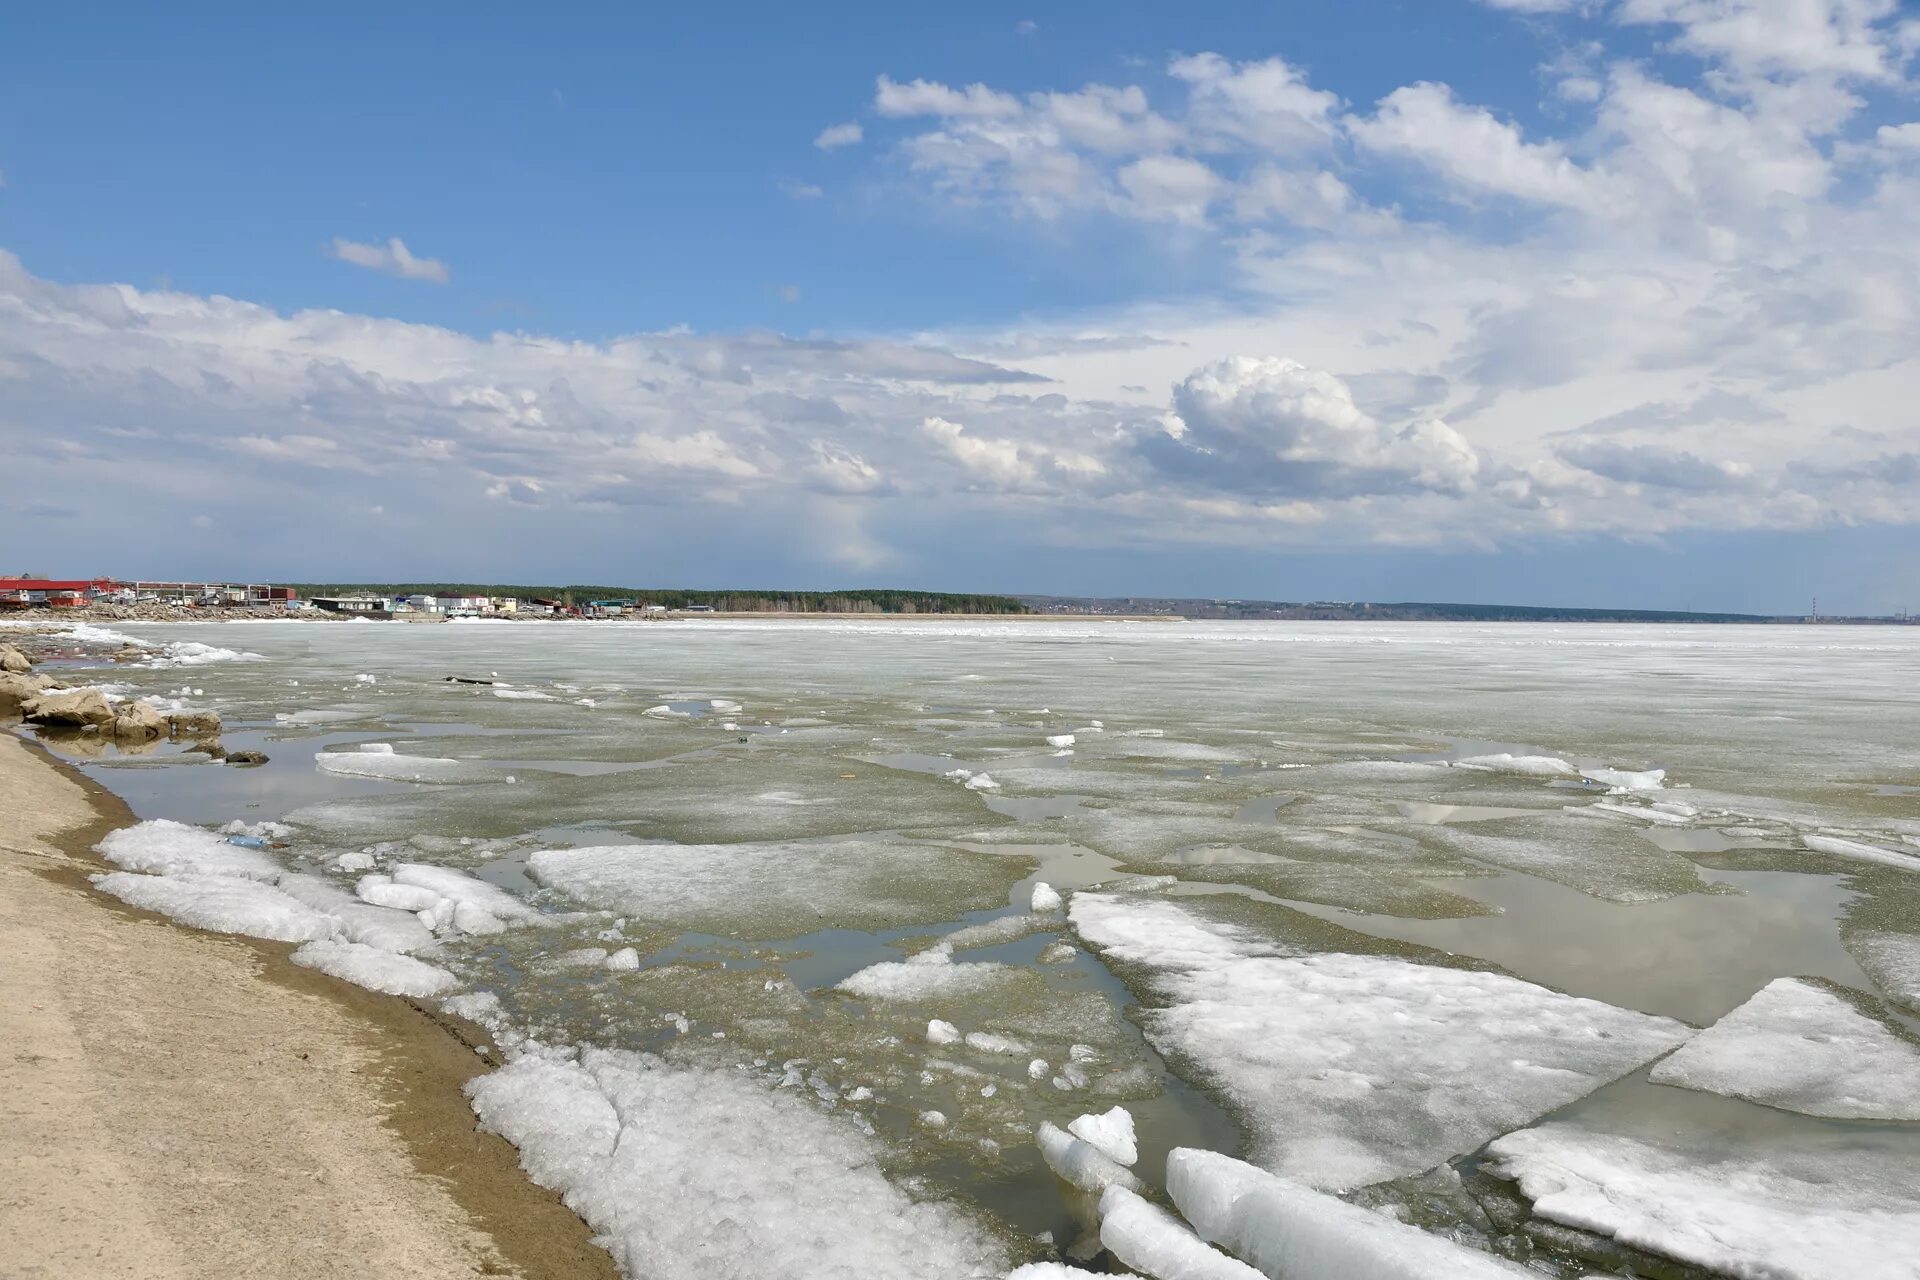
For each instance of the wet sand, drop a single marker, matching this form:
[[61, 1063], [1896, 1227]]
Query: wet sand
[[175, 1103]]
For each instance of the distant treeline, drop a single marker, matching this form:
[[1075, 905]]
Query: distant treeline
[[1542, 613], [861, 601], [1371, 611]]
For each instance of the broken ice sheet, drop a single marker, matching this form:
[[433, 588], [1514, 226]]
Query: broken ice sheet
[[1602, 856], [1830, 1202], [782, 888], [746, 796], [1805, 1046], [687, 1171], [1352, 1069]]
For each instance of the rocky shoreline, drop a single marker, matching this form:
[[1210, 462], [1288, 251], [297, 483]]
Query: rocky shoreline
[[87, 720]]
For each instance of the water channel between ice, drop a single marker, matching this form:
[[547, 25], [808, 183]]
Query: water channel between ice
[[821, 839]]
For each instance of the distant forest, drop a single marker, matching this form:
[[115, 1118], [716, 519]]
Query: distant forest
[[862, 601]]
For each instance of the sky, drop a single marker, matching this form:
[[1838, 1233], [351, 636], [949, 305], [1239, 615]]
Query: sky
[[1574, 302]]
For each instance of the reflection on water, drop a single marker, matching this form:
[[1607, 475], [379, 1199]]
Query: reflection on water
[[1692, 957]]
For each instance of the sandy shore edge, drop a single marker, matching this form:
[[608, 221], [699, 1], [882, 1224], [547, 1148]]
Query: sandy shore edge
[[178, 1103]]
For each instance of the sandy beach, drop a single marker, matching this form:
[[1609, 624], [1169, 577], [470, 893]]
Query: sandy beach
[[175, 1103]]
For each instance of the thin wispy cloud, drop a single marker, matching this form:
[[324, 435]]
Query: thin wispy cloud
[[839, 135], [392, 258]]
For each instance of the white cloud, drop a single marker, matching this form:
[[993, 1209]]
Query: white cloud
[[1474, 150], [1846, 38], [1267, 104], [930, 98], [1171, 187], [839, 135], [1272, 425], [392, 258]]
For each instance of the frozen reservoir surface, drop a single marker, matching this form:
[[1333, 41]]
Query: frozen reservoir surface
[[845, 948]]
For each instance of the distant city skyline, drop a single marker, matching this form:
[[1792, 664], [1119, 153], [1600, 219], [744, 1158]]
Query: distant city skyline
[[1577, 303]]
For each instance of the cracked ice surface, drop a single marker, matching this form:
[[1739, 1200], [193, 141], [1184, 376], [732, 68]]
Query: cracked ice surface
[[697, 1172], [1355, 1069], [1839, 1208], [779, 889], [1801, 1047]]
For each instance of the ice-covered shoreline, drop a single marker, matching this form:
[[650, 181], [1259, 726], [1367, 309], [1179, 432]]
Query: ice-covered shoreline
[[149, 1065]]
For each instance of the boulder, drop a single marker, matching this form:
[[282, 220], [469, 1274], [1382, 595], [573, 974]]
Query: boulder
[[13, 661], [16, 689], [246, 757], [72, 710], [137, 722], [194, 724]]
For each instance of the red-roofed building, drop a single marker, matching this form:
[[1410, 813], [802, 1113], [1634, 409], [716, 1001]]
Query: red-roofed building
[[52, 593]]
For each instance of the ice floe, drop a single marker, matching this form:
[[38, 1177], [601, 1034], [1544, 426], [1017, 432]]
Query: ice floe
[[1147, 1237], [1892, 960], [795, 887], [1079, 1163], [1290, 1232], [1354, 1069], [1110, 1132], [1507, 762], [930, 975], [1817, 1214], [1627, 779], [380, 760], [375, 969], [164, 847], [191, 653], [1801, 1047], [685, 1172], [221, 903], [1859, 851]]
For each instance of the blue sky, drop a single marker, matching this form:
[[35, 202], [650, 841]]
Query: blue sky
[[1576, 301]]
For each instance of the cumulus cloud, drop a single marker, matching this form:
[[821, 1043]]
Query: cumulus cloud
[[392, 258], [1274, 426]]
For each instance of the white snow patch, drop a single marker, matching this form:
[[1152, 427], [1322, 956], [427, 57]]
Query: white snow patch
[[523, 695], [1045, 897], [982, 782]]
